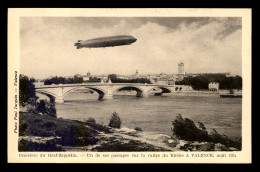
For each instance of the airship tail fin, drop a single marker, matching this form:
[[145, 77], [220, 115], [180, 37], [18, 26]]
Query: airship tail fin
[[77, 45]]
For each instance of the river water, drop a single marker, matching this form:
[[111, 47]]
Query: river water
[[155, 113]]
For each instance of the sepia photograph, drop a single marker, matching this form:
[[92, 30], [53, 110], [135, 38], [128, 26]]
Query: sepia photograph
[[150, 85]]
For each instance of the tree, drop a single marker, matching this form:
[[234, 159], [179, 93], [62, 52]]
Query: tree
[[115, 121], [202, 81], [78, 79], [63, 80], [94, 79], [47, 108], [113, 77], [26, 90]]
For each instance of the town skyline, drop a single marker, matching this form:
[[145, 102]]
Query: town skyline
[[133, 75], [205, 45], [181, 71]]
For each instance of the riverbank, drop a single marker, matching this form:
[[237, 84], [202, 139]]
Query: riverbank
[[183, 93], [45, 133]]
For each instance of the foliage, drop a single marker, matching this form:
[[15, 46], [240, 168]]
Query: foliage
[[51, 145], [72, 133], [49, 124], [187, 130], [201, 81], [29, 98], [32, 109], [94, 79], [91, 121], [63, 80], [114, 79], [47, 108], [78, 135], [26, 90], [138, 129], [115, 145], [115, 121], [23, 129], [77, 79], [201, 126]]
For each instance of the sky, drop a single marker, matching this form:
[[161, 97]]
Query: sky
[[204, 45]]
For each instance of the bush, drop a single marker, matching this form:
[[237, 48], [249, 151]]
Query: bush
[[26, 91], [90, 121], [28, 146], [23, 129], [32, 109], [77, 135], [23, 145], [47, 108], [138, 129], [115, 121], [49, 124], [37, 120], [51, 110], [186, 129]]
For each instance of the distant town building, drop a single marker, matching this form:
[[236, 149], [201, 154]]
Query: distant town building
[[162, 78], [104, 79], [213, 86], [153, 79], [162, 81], [181, 72], [136, 74], [181, 68], [123, 76], [171, 81], [87, 77]]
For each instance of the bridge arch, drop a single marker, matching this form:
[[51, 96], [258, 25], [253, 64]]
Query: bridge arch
[[164, 89], [139, 90], [100, 91], [50, 95]]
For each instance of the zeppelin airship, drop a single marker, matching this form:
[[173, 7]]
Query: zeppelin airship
[[110, 41]]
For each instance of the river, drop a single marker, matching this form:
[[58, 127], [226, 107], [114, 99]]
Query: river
[[155, 113]]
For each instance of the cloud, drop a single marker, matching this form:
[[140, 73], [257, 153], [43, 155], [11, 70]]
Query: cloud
[[208, 45]]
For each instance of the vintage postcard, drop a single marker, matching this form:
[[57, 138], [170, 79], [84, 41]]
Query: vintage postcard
[[129, 85]]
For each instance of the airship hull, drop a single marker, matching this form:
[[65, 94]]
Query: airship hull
[[106, 42]]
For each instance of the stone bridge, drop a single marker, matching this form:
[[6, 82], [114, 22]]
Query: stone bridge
[[105, 90]]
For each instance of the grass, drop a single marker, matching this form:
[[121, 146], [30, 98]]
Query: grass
[[77, 133], [25, 145], [131, 146], [99, 127], [72, 133]]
